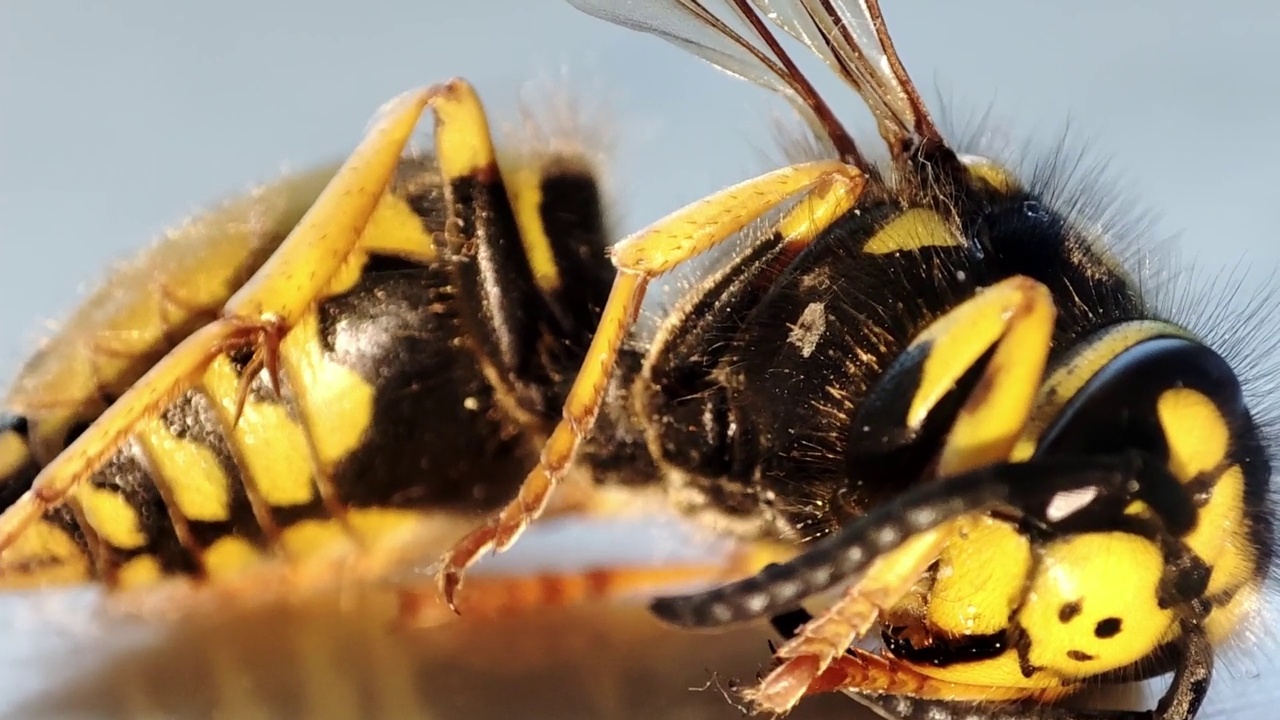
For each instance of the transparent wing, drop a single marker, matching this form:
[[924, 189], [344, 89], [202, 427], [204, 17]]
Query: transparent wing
[[849, 36], [733, 37], [852, 40]]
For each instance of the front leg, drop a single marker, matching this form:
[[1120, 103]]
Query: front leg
[[931, 699], [1010, 324]]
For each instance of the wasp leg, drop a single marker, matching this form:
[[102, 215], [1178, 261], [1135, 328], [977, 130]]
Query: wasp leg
[[499, 594], [1181, 701], [491, 596], [256, 316], [648, 254], [1013, 323]]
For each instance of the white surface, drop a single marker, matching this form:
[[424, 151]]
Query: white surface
[[117, 119]]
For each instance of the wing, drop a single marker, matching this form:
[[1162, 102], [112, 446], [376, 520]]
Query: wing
[[739, 37]]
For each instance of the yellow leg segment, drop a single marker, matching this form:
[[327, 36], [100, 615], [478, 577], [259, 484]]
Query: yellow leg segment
[[661, 247], [1014, 320], [268, 305]]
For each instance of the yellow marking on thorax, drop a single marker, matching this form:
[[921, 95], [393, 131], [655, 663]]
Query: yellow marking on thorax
[[111, 517], [989, 172], [272, 446], [524, 188], [335, 403], [913, 230], [190, 471]]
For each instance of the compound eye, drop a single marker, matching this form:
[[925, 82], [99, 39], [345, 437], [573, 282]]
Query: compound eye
[[1093, 604]]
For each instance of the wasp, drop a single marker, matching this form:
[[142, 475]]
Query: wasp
[[923, 388]]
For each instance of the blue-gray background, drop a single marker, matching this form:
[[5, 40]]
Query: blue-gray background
[[118, 119]]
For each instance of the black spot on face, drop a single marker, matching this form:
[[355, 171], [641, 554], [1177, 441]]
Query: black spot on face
[[1107, 628], [1069, 611], [1079, 656]]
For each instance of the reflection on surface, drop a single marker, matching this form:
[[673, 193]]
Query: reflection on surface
[[344, 657], [327, 662]]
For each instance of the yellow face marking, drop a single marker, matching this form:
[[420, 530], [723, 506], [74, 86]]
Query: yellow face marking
[[229, 556], [972, 595], [272, 445], [1093, 604], [1221, 531], [1236, 564], [1197, 433], [336, 404], [112, 517], [1199, 441], [1001, 671], [138, 572], [191, 472], [44, 553], [913, 230], [524, 187]]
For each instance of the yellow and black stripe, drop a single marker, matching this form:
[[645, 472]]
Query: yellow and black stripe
[[421, 381]]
